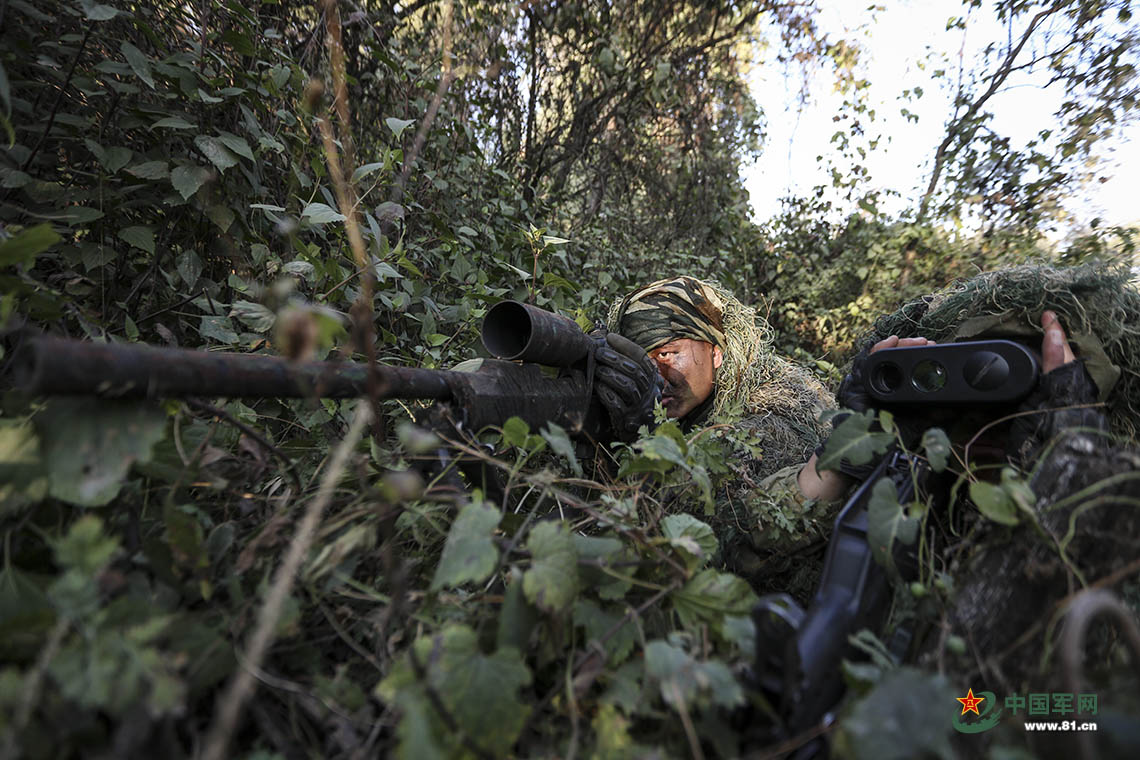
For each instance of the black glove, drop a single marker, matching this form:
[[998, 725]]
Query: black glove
[[1067, 385], [626, 382]]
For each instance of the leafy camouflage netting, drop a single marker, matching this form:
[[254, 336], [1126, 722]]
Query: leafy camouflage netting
[[1090, 300]]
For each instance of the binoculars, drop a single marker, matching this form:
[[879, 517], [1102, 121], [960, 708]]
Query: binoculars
[[975, 372]]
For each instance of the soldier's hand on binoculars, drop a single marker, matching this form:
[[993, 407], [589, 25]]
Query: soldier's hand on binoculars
[[1063, 399], [1055, 350], [895, 341], [626, 382]]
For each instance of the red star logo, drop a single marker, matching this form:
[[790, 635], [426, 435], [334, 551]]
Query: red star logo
[[970, 702]]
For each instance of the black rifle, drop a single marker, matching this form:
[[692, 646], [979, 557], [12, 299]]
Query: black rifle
[[799, 653], [499, 389]]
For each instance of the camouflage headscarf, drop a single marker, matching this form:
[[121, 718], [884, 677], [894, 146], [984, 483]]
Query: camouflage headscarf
[[752, 378], [683, 307]]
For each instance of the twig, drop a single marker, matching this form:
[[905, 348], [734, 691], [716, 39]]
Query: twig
[[361, 311], [686, 721], [592, 647], [290, 465], [1086, 607], [348, 639], [952, 131], [440, 708], [244, 682], [163, 310], [59, 98], [32, 688], [1109, 580], [797, 741], [397, 194]]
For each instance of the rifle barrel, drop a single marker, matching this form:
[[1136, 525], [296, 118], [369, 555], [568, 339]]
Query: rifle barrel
[[47, 365]]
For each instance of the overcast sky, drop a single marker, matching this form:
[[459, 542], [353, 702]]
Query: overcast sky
[[892, 47]]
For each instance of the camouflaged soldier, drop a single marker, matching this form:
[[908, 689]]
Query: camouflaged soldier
[[1075, 440], [720, 372]]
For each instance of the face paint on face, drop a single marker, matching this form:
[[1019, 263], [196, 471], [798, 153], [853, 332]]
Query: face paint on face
[[688, 368]]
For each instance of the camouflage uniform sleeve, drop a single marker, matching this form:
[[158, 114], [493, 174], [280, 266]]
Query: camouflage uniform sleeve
[[773, 532]]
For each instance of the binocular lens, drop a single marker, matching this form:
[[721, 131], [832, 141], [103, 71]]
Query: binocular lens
[[887, 378], [928, 376]]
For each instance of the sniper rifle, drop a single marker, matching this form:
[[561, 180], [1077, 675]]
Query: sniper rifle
[[501, 388]]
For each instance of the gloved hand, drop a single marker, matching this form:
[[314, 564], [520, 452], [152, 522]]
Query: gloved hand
[[1064, 383], [626, 382], [853, 395]]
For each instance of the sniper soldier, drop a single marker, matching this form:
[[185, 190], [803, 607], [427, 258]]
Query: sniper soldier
[[715, 358]]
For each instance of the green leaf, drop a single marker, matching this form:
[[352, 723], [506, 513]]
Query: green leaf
[[551, 280], [561, 445], [13, 179], [883, 723], [682, 679], [236, 144], [695, 540], [298, 267], [257, 317], [219, 155], [89, 444], [138, 63], [221, 215], [97, 11], [85, 547], [417, 440], [172, 122], [219, 328], [73, 215], [25, 246], [320, 213], [140, 237], [599, 623], [515, 431], [937, 446], [114, 159], [469, 553], [886, 522], [188, 179], [710, 596], [23, 479], [189, 268], [206, 97], [398, 125], [479, 691], [150, 170], [994, 502], [551, 582], [363, 171], [186, 539], [518, 617], [854, 441]]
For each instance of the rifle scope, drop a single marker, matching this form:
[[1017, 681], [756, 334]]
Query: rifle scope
[[514, 330]]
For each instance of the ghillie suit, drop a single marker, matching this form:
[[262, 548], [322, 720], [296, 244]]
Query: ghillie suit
[[1001, 590], [765, 407]]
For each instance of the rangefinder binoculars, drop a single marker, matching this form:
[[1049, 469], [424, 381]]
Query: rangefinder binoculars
[[975, 372]]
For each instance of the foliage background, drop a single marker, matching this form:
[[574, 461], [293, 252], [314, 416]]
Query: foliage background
[[166, 178]]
